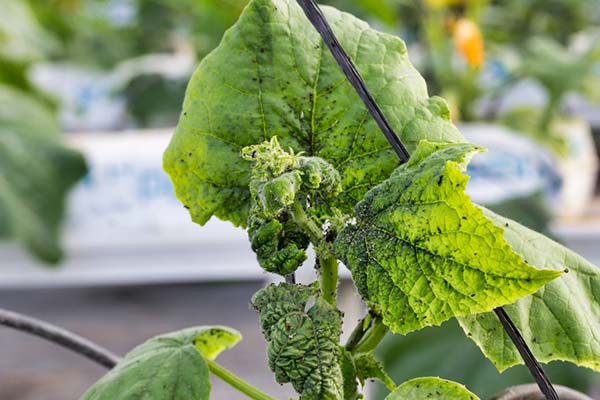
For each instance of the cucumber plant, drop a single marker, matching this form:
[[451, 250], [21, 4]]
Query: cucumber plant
[[274, 139]]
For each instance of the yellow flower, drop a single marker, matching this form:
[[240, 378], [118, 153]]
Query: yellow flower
[[469, 42]]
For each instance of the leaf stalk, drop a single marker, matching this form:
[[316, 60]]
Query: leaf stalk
[[237, 382], [373, 337]]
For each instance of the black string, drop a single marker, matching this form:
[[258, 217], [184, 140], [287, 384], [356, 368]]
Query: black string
[[316, 17], [534, 366]]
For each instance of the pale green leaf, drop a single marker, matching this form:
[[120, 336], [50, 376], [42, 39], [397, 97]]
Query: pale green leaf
[[168, 367], [272, 76], [559, 322], [422, 253], [36, 172], [303, 339], [431, 388]]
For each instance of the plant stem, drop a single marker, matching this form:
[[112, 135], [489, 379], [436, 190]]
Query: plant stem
[[357, 334], [327, 262], [329, 276], [374, 336], [314, 232], [60, 336], [237, 382]]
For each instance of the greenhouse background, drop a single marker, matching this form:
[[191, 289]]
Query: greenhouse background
[[122, 262]]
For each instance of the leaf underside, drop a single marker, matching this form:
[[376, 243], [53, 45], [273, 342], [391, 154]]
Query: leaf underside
[[303, 339], [561, 321], [168, 367], [422, 253], [431, 388], [36, 172], [272, 76]]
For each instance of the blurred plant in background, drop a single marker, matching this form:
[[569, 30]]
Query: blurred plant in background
[[36, 171], [559, 70]]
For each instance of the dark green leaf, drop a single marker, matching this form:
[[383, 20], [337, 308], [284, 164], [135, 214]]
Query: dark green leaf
[[303, 339]]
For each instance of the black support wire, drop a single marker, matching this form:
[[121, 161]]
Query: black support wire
[[317, 19]]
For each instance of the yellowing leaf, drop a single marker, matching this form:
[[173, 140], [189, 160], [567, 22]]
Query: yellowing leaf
[[422, 253]]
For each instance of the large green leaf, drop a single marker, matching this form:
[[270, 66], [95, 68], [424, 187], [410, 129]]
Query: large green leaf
[[272, 76], [168, 367], [422, 253], [431, 388], [419, 354], [36, 172], [303, 339], [559, 322]]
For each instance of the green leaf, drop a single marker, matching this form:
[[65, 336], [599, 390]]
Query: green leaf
[[559, 322], [431, 388], [367, 366], [303, 339], [422, 253], [280, 247], [419, 353], [36, 172], [272, 76], [168, 367]]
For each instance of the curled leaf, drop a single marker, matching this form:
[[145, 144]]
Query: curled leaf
[[280, 247], [303, 339]]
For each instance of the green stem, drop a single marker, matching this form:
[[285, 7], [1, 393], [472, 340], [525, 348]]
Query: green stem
[[374, 336], [314, 232], [237, 382], [329, 276], [326, 260], [357, 334]]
